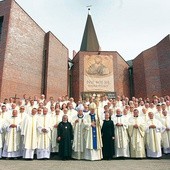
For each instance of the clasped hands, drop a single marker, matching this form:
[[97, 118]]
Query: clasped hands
[[55, 126], [93, 124], [59, 138], [76, 121], [135, 126], [44, 130], [152, 126], [119, 124], [13, 126]]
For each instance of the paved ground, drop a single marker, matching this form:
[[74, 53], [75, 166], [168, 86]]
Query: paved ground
[[128, 164]]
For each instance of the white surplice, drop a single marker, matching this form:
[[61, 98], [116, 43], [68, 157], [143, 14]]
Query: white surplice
[[153, 136], [136, 136], [44, 139], [166, 134], [79, 137], [12, 145], [90, 153], [29, 133], [56, 119], [121, 137]]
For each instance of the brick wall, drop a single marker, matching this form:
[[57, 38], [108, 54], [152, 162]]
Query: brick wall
[[120, 71], [23, 57], [139, 76], [163, 51], [121, 76], [5, 12], [152, 75], [57, 73], [151, 70], [75, 77]]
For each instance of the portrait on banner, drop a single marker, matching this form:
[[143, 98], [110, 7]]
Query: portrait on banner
[[98, 73], [97, 67]]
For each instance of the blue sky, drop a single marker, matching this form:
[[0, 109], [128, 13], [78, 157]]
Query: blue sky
[[126, 26]]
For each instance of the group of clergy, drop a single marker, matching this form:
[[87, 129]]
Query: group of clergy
[[91, 129]]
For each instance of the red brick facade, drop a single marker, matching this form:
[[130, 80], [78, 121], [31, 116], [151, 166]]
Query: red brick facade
[[35, 62], [163, 52], [121, 76], [22, 55], [5, 7], [76, 80], [151, 70], [120, 70], [57, 72]]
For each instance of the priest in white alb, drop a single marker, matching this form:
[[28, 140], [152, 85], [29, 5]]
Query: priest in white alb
[[121, 135], [166, 134], [136, 130], [22, 113], [154, 128], [29, 133], [12, 146], [56, 119], [79, 130], [2, 130], [71, 111], [93, 150], [44, 135], [1, 135]]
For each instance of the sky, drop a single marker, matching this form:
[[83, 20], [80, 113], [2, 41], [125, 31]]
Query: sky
[[126, 26]]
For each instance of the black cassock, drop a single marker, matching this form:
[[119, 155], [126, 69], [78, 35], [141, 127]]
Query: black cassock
[[65, 131], [108, 142]]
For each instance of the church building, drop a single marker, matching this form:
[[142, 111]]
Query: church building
[[97, 72], [36, 62], [31, 61]]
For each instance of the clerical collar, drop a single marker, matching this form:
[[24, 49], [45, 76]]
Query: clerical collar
[[80, 116], [118, 115], [92, 114], [107, 119]]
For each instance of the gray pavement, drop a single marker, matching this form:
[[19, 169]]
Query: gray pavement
[[128, 164]]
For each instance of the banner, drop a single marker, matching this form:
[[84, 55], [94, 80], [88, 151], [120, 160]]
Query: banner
[[98, 73]]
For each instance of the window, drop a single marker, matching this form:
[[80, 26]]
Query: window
[[1, 23]]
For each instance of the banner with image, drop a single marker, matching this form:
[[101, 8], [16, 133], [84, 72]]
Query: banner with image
[[98, 73]]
